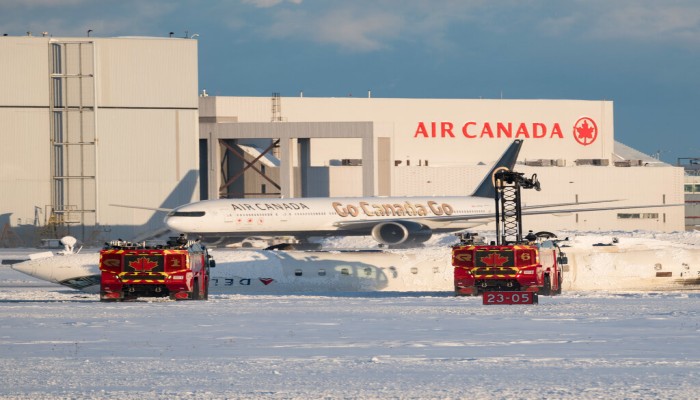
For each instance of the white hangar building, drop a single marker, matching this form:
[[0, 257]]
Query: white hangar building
[[90, 122], [436, 147]]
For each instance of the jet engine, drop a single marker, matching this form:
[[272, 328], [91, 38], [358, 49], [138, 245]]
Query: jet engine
[[401, 233]]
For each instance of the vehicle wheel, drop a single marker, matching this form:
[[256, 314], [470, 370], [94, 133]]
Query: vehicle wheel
[[206, 289], [281, 246], [472, 294], [105, 299], [547, 288], [558, 291], [195, 290], [545, 235]]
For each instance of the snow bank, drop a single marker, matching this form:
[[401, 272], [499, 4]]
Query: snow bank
[[63, 344]]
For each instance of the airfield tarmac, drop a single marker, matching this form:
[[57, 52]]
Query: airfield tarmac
[[59, 343]]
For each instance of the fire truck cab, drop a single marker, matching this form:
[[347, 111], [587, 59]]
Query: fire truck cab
[[532, 267], [178, 269]]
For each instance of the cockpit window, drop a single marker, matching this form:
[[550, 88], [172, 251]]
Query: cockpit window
[[186, 214]]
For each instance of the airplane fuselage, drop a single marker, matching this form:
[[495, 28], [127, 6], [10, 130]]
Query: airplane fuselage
[[427, 269], [322, 216], [391, 221]]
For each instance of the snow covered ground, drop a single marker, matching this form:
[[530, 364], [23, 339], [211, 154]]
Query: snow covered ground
[[58, 343]]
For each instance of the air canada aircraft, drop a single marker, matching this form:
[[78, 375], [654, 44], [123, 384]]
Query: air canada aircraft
[[391, 221]]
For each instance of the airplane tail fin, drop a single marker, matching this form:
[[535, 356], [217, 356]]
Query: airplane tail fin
[[507, 161]]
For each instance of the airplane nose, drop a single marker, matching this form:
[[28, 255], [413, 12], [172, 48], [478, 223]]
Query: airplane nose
[[173, 223], [25, 267], [184, 221], [34, 268]]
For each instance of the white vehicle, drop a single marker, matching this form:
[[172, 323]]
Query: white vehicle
[[255, 242]]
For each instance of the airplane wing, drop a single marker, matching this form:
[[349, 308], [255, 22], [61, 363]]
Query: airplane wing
[[526, 207], [530, 210], [149, 234], [143, 208], [152, 234], [578, 210]]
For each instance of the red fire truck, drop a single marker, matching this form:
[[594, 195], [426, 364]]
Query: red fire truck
[[534, 268], [513, 269], [178, 269]]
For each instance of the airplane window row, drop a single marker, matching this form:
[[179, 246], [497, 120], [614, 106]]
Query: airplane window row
[[638, 216], [343, 271], [274, 214], [201, 213], [367, 271]]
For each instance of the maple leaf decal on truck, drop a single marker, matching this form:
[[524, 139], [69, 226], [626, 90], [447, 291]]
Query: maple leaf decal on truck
[[585, 131], [143, 264], [494, 260]]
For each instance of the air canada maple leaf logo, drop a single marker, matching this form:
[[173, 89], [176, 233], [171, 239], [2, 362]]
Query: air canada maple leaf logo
[[266, 281], [585, 131], [494, 260], [143, 264]]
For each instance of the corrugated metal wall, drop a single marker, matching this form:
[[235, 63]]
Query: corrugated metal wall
[[25, 161], [25, 187], [148, 72], [24, 71], [345, 181], [123, 110], [143, 156]]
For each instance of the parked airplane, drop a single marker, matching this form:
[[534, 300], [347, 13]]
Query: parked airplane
[[410, 270], [270, 272], [391, 221]]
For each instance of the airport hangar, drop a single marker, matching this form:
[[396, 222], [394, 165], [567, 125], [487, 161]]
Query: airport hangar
[[369, 146], [89, 123]]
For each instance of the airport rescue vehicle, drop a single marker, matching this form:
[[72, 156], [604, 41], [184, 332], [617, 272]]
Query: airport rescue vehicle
[[178, 269], [512, 270], [534, 268]]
